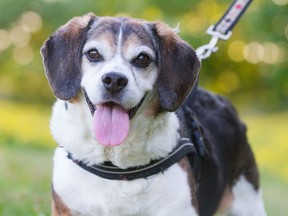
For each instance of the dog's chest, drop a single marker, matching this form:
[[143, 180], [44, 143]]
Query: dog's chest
[[86, 194]]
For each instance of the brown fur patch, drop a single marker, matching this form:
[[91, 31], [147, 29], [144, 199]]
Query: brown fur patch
[[106, 29], [58, 207], [166, 32], [78, 23], [184, 164], [154, 108], [133, 40], [226, 201], [75, 99], [139, 33]]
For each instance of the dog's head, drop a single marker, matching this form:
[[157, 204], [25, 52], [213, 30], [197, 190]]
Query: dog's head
[[119, 61]]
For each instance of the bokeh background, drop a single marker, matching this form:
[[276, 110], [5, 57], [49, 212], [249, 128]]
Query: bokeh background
[[251, 69]]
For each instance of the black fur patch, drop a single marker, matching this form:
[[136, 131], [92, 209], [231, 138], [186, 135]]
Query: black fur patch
[[62, 57], [178, 68]]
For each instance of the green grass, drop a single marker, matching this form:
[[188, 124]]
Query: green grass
[[26, 159], [274, 191], [25, 181], [268, 136], [26, 151]]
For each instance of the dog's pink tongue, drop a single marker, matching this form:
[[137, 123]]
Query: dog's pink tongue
[[111, 124]]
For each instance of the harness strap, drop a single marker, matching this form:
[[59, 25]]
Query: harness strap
[[112, 172]]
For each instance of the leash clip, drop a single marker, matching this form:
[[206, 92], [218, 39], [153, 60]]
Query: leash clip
[[222, 29], [206, 50], [211, 31]]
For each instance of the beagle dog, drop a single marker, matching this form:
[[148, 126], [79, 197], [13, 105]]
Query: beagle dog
[[127, 101]]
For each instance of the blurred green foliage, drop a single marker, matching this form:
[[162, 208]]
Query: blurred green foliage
[[251, 67]]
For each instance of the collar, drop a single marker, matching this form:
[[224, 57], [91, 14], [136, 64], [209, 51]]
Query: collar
[[109, 171]]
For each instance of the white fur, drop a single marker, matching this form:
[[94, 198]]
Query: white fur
[[150, 137], [86, 194], [247, 200]]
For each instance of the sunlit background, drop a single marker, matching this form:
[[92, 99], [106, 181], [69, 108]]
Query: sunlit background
[[251, 69]]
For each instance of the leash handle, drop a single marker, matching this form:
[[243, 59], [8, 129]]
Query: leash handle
[[223, 28]]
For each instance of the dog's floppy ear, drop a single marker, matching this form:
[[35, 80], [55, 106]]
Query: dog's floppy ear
[[61, 55], [178, 68]]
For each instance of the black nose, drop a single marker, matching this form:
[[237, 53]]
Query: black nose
[[114, 82]]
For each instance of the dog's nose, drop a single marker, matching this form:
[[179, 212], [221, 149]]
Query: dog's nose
[[114, 82]]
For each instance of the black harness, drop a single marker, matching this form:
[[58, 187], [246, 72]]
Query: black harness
[[109, 171]]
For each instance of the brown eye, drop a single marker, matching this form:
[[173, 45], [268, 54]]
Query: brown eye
[[94, 55], [142, 60]]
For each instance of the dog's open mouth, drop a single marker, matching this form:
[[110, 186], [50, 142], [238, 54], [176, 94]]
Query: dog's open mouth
[[112, 122]]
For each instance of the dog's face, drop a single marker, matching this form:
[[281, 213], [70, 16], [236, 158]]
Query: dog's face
[[119, 61]]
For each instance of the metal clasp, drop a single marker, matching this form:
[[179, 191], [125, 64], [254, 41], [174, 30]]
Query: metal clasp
[[206, 50], [218, 34]]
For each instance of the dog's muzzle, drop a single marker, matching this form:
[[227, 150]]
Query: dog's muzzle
[[131, 112], [111, 121]]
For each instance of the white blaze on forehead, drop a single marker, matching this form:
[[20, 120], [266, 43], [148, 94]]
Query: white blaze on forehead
[[119, 42], [130, 45]]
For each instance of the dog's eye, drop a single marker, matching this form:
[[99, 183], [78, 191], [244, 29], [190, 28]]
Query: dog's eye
[[94, 56], [142, 60]]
